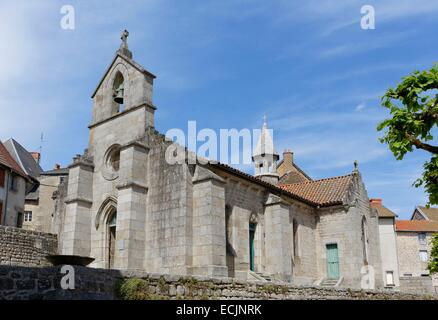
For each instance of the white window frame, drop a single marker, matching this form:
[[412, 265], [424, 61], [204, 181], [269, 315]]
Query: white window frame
[[391, 274], [422, 238], [27, 216], [424, 258]]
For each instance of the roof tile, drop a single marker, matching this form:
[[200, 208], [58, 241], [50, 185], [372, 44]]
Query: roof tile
[[416, 225], [324, 192]]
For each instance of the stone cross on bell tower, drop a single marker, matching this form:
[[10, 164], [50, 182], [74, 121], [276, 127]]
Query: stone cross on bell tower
[[124, 45]]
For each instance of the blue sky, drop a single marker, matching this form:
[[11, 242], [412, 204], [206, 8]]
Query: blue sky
[[307, 65]]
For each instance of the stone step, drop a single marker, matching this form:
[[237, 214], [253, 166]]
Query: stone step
[[329, 282], [264, 276]]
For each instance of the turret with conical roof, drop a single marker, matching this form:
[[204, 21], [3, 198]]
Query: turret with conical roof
[[265, 156]]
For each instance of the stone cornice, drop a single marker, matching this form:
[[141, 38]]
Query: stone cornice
[[86, 165], [136, 144], [143, 105], [132, 184], [82, 200]]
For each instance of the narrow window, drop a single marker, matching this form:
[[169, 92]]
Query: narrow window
[[422, 238], [423, 256], [1, 211], [2, 178], [364, 241], [295, 235], [27, 216], [389, 278], [20, 220], [252, 229], [14, 183], [111, 229], [119, 93]]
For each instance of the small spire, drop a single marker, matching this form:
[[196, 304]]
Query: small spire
[[124, 45]]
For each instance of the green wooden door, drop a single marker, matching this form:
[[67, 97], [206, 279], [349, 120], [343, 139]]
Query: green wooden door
[[332, 261], [252, 228]]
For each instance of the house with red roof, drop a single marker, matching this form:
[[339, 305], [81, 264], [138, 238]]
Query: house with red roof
[[414, 247], [15, 184], [388, 244]]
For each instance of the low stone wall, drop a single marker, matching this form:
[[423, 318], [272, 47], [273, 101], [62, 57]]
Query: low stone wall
[[421, 285], [44, 283], [25, 248]]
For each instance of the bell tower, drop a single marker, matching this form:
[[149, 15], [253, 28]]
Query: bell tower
[[265, 157], [113, 170], [123, 98]]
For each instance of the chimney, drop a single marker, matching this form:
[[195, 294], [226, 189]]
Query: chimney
[[57, 166], [288, 156], [375, 201], [36, 156]]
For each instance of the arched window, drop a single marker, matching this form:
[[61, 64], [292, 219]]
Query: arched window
[[119, 92], [230, 252], [364, 240], [295, 237], [252, 232], [111, 236]]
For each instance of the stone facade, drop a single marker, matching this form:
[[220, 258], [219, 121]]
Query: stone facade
[[44, 283], [409, 247], [354, 228], [21, 247], [12, 199], [130, 209], [413, 257], [42, 205], [388, 248]]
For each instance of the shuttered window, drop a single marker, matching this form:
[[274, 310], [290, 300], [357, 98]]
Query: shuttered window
[[2, 177], [1, 211]]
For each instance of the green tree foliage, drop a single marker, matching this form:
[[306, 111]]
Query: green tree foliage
[[433, 262], [413, 106]]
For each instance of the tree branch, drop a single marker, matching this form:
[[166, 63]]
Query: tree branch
[[421, 145]]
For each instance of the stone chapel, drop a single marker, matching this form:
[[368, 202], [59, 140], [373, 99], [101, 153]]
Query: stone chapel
[[127, 208]]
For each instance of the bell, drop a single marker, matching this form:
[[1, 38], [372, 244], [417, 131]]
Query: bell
[[118, 95]]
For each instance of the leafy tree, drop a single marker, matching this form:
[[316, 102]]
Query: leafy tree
[[433, 261], [413, 105]]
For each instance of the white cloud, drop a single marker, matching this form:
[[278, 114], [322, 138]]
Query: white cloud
[[360, 106]]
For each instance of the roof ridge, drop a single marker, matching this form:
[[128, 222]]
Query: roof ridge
[[319, 180]]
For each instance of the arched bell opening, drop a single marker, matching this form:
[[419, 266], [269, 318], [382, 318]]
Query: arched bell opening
[[119, 93]]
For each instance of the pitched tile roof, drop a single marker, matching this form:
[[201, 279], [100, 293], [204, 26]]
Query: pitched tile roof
[[7, 161], [431, 213], [293, 176], [416, 225], [382, 211], [324, 192], [256, 180]]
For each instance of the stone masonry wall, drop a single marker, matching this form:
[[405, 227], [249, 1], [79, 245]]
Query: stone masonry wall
[[25, 248], [90, 283], [421, 285]]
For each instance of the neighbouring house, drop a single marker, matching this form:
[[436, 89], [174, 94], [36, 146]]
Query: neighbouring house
[[424, 213], [289, 171], [29, 163], [15, 184], [129, 208], [388, 244], [41, 205], [413, 247]]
